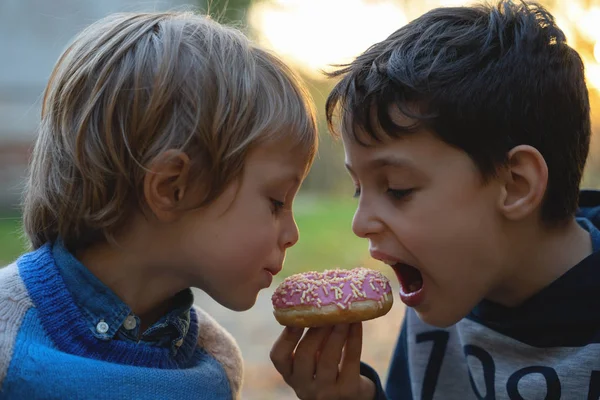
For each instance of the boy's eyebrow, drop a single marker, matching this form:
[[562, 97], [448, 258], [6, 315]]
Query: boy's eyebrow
[[388, 161], [292, 177]]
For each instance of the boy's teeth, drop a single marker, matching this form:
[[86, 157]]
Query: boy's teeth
[[390, 263]]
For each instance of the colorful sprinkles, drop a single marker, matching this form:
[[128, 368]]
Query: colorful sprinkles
[[337, 286]]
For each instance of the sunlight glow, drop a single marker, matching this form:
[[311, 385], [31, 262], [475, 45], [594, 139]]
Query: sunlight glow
[[581, 25], [592, 75], [315, 34]]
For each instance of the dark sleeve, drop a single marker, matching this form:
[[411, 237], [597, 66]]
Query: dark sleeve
[[398, 383], [367, 371]]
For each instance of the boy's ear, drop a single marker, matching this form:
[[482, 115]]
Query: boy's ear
[[166, 183], [524, 178]]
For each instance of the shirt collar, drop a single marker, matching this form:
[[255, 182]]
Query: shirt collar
[[105, 313], [564, 302]]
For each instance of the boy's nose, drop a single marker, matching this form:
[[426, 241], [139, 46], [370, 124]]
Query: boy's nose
[[365, 222], [290, 234]]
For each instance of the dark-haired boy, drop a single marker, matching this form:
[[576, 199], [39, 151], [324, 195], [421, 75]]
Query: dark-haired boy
[[466, 133]]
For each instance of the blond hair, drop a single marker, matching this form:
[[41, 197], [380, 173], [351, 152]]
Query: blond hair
[[131, 86]]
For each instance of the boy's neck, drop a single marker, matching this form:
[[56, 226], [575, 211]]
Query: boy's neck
[[146, 291], [538, 262]]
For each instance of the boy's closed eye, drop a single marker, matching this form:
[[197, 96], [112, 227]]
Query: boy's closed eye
[[395, 193], [281, 191], [277, 205], [400, 193]]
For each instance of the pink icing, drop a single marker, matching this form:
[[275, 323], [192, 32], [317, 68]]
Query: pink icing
[[337, 286]]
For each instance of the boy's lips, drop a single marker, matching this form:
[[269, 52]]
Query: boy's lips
[[411, 284], [410, 278], [268, 278], [270, 272], [274, 270]]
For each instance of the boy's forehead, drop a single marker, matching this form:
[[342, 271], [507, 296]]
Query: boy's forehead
[[372, 132], [284, 158], [418, 150]]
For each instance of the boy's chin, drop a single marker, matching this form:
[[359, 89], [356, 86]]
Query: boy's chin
[[440, 318], [238, 303]]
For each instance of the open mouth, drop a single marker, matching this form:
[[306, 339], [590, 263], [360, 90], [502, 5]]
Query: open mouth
[[410, 278]]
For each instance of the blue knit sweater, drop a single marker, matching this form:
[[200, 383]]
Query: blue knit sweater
[[47, 351]]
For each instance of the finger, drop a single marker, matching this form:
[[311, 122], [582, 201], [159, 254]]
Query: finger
[[282, 352], [329, 361], [350, 366], [323, 344], [304, 365]]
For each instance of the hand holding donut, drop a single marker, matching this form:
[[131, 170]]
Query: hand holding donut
[[325, 363]]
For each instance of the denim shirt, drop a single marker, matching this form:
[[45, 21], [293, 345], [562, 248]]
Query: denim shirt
[[108, 317]]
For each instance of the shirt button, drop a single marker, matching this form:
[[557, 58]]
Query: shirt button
[[130, 322], [102, 327]]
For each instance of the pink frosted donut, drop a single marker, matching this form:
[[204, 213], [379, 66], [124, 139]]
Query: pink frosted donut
[[332, 297]]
